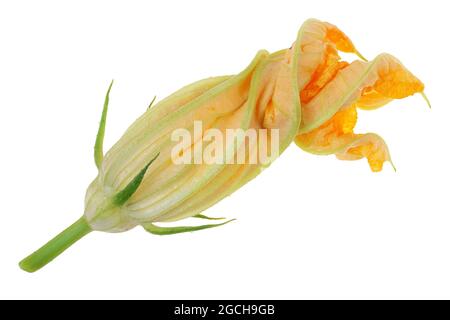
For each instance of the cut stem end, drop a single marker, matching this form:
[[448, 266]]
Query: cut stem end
[[56, 246]]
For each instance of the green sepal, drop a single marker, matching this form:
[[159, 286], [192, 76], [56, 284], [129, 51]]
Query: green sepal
[[122, 196], [165, 231], [98, 148], [201, 216], [152, 102]]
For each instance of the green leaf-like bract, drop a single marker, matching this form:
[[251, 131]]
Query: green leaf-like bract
[[98, 148], [121, 197], [201, 216], [165, 231], [152, 102]]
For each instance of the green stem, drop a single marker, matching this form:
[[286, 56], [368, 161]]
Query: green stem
[[56, 246]]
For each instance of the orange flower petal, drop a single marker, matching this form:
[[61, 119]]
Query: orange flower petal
[[394, 80], [340, 39], [371, 99], [323, 75], [336, 137], [370, 146], [319, 40], [386, 75], [332, 136]]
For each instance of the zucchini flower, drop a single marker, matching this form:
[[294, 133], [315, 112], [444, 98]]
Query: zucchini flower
[[306, 94]]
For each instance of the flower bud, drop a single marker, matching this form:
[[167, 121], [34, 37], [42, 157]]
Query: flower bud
[[211, 137]]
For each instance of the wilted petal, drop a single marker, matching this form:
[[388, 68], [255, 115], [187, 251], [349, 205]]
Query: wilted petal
[[385, 75], [370, 146], [336, 136]]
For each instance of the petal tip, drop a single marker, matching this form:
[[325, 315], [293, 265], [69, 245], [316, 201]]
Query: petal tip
[[424, 96]]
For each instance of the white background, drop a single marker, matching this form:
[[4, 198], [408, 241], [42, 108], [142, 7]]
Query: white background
[[308, 227]]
